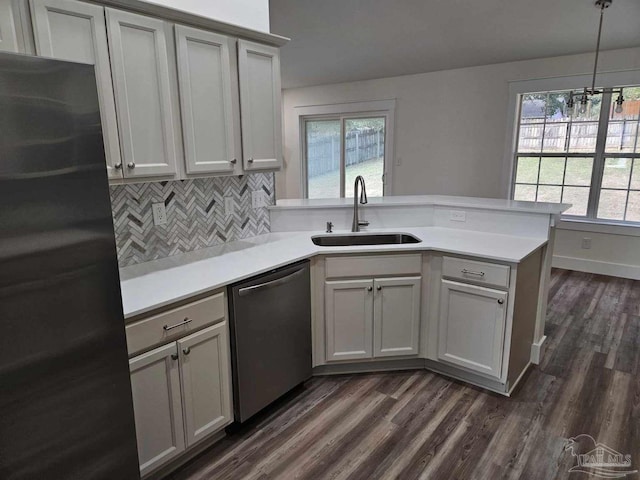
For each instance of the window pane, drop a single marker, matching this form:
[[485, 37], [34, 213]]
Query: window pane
[[533, 107], [323, 158], [633, 209], [552, 171], [623, 127], [557, 107], [549, 194], [578, 171], [578, 197], [364, 154], [530, 138], [616, 173], [635, 176], [611, 204], [584, 136], [555, 137], [527, 170], [525, 192]]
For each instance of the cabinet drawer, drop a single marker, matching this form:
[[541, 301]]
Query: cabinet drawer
[[186, 319], [478, 272], [373, 265]]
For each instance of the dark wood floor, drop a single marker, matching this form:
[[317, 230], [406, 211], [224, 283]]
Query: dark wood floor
[[409, 425]]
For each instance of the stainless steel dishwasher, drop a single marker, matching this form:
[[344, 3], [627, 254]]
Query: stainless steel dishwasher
[[270, 337]]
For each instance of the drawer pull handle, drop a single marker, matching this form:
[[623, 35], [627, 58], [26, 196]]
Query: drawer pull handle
[[471, 272], [500, 301], [184, 322], [186, 351]]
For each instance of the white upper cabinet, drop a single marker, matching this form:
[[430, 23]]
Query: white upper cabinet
[[206, 98], [75, 31], [144, 94], [260, 105], [8, 34], [396, 316], [471, 327]]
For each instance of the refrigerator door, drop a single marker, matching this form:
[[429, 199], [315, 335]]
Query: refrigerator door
[[65, 394]]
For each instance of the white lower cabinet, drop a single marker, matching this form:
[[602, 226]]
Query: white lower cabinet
[[206, 381], [181, 394], [157, 403], [472, 327], [372, 318]]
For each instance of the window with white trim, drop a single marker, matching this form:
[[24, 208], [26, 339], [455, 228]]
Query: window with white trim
[[590, 159]]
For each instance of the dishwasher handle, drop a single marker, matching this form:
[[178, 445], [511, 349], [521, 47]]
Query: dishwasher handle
[[273, 283]]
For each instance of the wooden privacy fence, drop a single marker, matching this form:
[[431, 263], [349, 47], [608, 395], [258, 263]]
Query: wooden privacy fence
[[581, 138], [323, 152]]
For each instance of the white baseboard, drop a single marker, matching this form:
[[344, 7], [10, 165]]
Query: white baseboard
[[595, 266], [537, 350]]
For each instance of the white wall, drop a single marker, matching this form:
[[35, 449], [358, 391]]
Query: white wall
[[451, 128], [252, 14]]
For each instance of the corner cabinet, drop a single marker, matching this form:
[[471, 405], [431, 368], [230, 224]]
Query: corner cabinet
[[260, 105], [143, 93], [76, 31], [472, 326]]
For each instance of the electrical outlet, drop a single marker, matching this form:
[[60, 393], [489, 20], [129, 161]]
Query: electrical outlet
[[257, 199], [229, 206], [458, 216], [586, 243], [159, 213]]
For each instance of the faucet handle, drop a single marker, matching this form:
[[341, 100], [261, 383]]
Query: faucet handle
[[329, 227]]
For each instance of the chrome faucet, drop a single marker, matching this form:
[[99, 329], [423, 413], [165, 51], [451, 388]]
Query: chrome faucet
[[363, 200]]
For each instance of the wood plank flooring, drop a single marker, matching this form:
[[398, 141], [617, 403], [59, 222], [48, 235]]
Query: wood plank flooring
[[420, 425]]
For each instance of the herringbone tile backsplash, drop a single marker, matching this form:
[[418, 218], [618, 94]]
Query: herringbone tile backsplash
[[195, 215]]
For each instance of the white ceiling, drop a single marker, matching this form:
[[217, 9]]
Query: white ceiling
[[346, 40]]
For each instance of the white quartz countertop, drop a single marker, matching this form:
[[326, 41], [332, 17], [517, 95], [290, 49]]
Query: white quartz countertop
[[152, 285], [434, 200]]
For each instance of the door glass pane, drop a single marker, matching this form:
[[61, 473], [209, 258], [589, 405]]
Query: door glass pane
[[364, 154], [323, 158]]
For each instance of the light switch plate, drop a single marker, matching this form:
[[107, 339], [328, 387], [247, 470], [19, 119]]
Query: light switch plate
[[159, 213], [586, 243], [229, 206], [458, 216]]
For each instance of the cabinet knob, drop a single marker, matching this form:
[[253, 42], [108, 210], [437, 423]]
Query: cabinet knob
[[369, 289], [379, 288], [131, 165], [500, 301], [186, 351], [118, 166], [250, 160], [234, 161], [174, 356]]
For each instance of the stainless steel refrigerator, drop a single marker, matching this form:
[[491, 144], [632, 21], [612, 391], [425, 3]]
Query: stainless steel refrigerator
[[66, 410]]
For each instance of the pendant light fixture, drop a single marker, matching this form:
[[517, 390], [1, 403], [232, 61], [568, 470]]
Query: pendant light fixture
[[580, 99]]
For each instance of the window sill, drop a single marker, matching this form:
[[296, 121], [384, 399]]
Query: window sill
[[594, 226]]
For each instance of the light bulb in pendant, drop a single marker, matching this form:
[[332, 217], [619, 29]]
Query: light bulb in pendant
[[619, 103]]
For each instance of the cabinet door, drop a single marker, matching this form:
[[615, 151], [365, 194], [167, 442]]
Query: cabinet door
[[204, 71], [349, 319], [155, 382], [396, 317], [471, 327], [143, 93], [76, 31], [206, 381], [8, 30], [260, 105]]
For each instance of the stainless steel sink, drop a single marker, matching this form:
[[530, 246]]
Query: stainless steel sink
[[364, 239]]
